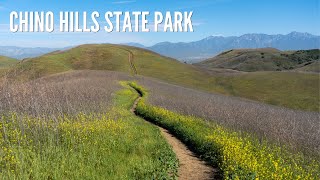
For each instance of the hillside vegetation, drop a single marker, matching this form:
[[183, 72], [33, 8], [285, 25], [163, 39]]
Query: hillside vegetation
[[297, 129], [266, 59], [312, 67], [267, 87], [5, 63], [107, 57], [288, 89], [239, 155], [78, 126]]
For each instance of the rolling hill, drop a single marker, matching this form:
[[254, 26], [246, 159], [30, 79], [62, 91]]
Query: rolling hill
[[5, 63], [266, 59], [268, 87], [112, 58], [312, 67]]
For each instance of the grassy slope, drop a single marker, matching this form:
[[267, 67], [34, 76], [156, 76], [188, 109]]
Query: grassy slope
[[5, 63], [266, 59], [97, 57], [238, 155], [289, 89], [313, 67], [266, 87], [115, 145], [115, 58]]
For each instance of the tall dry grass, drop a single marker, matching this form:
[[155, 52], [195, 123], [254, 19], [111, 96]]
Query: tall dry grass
[[297, 129], [58, 95], [89, 134]]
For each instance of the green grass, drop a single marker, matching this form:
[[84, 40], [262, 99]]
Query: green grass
[[92, 57], [239, 155], [288, 89], [5, 63], [264, 59], [116, 145]]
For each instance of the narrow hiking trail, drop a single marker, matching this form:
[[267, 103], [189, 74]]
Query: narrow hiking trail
[[132, 66], [190, 166]]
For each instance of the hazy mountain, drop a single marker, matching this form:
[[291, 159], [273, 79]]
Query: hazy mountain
[[213, 45], [22, 52]]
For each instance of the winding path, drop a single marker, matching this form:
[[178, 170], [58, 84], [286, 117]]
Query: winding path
[[191, 167]]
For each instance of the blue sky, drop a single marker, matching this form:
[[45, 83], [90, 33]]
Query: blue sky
[[211, 17]]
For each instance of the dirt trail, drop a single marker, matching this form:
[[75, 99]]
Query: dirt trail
[[133, 67], [191, 167], [131, 61]]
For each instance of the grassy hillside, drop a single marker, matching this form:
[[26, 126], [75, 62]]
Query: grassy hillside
[[55, 143], [265, 87], [310, 67], [288, 89], [114, 58], [5, 63], [95, 57], [239, 155], [266, 59], [108, 57]]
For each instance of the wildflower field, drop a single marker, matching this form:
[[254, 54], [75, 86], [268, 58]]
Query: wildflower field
[[78, 125], [297, 129], [239, 155], [109, 145]]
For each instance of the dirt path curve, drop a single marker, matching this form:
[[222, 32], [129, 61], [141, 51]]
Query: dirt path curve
[[191, 167]]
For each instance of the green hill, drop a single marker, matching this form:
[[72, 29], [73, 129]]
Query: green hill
[[266, 59], [5, 63], [113, 58], [269, 87]]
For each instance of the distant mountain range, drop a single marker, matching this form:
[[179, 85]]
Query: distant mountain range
[[196, 51], [213, 45], [25, 52]]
